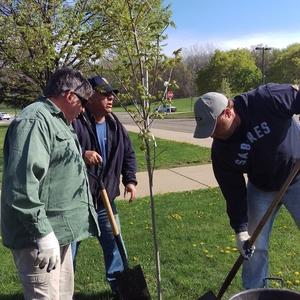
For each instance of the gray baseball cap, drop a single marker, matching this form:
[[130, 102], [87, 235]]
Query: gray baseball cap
[[206, 110]]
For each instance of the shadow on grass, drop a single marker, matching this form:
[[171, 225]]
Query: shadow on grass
[[99, 296]]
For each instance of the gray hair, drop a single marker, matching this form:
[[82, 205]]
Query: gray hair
[[66, 79]]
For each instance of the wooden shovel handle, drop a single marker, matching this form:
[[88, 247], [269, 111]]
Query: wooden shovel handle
[[114, 227], [259, 228], [111, 217], [109, 211]]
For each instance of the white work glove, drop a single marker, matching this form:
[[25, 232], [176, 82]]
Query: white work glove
[[242, 239], [48, 252]]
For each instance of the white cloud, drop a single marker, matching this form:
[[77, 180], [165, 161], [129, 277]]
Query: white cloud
[[271, 39]]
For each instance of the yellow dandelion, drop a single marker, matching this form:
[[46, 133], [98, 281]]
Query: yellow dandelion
[[201, 243], [88, 278], [227, 251], [194, 245], [135, 258], [206, 251], [296, 273], [130, 223], [296, 281], [234, 249], [288, 282], [222, 251], [176, 216], [279, 273]]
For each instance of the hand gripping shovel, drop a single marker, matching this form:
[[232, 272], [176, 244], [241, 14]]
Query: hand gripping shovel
[[131, 282], [210, 295]]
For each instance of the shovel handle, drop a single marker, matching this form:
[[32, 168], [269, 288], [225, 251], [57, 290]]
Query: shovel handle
[[110, 213], [111, 217], [259, 228], [114, 227]]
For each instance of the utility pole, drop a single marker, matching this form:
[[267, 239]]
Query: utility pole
[[263, 49]]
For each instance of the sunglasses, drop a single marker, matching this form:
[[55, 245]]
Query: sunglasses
[[106, 94], [83, 101]]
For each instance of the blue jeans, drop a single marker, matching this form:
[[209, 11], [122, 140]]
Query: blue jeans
[[256, 268], [112, 258]]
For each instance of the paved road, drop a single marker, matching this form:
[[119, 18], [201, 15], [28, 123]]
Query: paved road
[[179, 125]]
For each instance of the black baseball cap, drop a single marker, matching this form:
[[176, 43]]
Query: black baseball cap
[[102, 83]]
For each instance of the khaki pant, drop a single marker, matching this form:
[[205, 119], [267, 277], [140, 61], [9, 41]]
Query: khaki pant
[[39, 284]]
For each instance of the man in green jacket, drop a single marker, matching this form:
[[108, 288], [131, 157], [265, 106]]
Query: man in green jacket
[[45, 201]]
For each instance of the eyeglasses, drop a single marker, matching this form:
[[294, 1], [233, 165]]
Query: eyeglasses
[[106, 94], [83, 101]]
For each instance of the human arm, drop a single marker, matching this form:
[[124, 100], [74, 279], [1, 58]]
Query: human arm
[[129, 165], [236, 201], [87, 139], [26, 160], [233, 186]]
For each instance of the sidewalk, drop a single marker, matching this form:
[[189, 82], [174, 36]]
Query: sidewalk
[[176, 179]]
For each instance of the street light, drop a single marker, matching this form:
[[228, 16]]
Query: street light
[[263, 49]]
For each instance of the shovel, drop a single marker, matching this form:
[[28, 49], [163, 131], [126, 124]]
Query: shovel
[[131, 282], [210, 295]]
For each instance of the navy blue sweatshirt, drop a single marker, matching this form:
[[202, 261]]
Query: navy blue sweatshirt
[[266, 147], [120, 155]]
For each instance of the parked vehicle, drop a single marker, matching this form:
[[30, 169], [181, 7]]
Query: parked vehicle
[[4, 116], [165, 108]]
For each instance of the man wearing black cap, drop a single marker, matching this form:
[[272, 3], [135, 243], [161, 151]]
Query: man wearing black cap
[[105, 143], [255, 134]]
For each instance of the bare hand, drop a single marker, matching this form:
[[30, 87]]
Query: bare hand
[[92, 158], [130, 188]]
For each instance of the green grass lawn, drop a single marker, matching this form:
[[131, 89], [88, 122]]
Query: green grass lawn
[[196, 244], [196, 247], [171, 154], [184, 105], [167, 153]]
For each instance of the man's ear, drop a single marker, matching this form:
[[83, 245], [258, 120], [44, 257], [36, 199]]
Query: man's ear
[[227, 112], [68, 96]]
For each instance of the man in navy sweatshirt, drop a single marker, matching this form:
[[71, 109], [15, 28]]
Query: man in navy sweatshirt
[[254, 134]]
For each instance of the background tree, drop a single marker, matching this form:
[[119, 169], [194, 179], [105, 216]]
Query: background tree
[[38, 37], [194, 58], [286, 67], [185, 80], [237, 66]]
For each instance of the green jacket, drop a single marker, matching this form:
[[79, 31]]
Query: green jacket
[[44, 184]]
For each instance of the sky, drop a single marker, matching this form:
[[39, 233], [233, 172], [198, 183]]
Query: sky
[[232, 24]]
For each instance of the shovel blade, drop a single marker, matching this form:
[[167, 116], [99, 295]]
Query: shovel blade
[[132, 284], [208, 296]]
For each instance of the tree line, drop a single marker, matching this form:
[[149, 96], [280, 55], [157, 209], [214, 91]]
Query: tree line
[[235, 71], [122, 41]]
